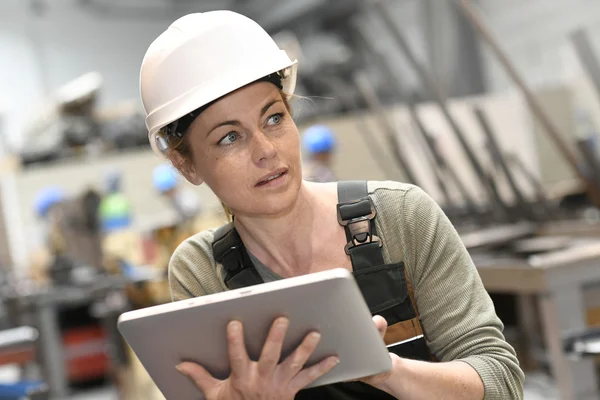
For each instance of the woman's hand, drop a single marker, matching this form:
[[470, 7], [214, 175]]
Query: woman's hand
[[265, 378], [380, 379]]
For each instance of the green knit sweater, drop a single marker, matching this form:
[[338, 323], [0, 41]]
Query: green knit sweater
[[456, 312]]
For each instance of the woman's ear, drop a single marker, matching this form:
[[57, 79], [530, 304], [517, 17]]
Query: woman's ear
[[186, 168]]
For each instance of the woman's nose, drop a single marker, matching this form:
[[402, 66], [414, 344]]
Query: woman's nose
[[263, 147]]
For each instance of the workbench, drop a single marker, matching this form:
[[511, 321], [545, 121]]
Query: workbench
[[572, 228], [558, 283], [43, 304]]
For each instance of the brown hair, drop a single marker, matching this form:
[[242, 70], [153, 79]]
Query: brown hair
[[180, 151]]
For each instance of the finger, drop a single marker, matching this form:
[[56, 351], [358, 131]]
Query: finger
[[295, 361], [311, 374], [271, 352], [381, 324], [198, 375], [236, 348]]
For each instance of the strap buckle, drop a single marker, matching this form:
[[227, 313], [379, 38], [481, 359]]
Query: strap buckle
[[231, 259], [359, 229]]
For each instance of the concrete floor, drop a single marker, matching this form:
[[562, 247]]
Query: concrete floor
[[537, 387], [97, 394], [540, 387]]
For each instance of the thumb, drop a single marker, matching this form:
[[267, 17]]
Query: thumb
[[381, 324], [198, 375]]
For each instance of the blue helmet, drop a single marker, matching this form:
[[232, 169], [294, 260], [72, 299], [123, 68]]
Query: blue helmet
[[318, 139], [164, 178], [46, 198], [112, 181]]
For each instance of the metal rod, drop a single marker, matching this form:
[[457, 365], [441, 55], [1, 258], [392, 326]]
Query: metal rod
[[478, 24], [442, 185], [373, 147], [429, 83], [357, 37], [370, 97], [503, 211], [53, 358], [590, 154], [340, 89], [520, 200], [539, 189], [440, 160], [587, 56]]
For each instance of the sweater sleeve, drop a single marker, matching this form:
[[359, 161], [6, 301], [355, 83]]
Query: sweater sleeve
[[457, 314], [182, 281], [192, 269]]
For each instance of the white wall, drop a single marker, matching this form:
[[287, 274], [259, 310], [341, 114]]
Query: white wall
[[40, 53], [20, 81], [535, 35]]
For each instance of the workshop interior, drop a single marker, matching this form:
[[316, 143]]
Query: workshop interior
[[492, 107]]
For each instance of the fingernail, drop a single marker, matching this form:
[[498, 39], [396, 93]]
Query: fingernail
[[334, 361], [315, 337], [180, 369], [235, 326], [282, 323]]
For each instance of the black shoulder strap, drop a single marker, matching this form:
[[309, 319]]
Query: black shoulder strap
[[229, 251], [349, 191], [356, 213]]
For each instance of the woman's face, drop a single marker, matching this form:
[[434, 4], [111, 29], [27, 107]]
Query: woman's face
[[246, 149]]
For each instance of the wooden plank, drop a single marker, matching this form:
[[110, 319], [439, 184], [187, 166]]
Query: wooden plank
[[512, 279]]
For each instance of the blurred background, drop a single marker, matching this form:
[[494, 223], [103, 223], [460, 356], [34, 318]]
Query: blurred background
[[492, 107]]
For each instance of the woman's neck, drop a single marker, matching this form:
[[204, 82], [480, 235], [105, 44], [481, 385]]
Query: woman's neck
[[287, 244]]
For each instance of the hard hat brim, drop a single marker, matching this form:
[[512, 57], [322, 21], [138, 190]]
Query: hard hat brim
[[202, 95]]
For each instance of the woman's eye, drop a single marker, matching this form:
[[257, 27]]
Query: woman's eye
[[229, 138], [275, 119]]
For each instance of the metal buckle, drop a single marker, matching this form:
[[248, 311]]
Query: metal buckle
[[352, 220], [360, 227], [368, 238], [233, 251]]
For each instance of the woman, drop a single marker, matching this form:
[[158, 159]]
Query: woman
[[215, 88]]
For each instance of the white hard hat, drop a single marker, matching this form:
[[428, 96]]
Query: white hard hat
[[202, 57], [78, 89]]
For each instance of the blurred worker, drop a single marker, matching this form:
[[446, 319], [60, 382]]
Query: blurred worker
[[319, 142], [46, 199], [115, 209], [49, 241], [184, 201], [46, 203], [113, 181], [115, 212], [122, 247]]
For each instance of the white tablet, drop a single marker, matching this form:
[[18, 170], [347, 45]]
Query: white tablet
[[329, 302]]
